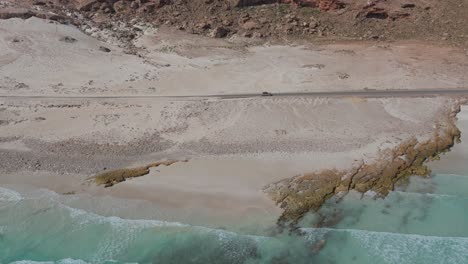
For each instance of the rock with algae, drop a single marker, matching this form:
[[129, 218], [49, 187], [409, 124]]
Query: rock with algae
[[110, 178], [300, 194]]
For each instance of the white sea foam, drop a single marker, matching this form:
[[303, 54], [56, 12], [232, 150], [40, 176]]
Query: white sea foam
[[120, 233], [451, 175], [83, 217], [9, 195], [71, 261], [324, 230], [63, 261], [432, 195], [32, 262], [395, 248]]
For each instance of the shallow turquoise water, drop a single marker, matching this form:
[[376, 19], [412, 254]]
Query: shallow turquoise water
[[431, 214], [409, 226], [40, 227]]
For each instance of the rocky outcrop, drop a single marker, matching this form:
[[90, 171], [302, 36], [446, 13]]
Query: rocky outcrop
[[110, 178], [275, 19], [300, 194], [24, 13]]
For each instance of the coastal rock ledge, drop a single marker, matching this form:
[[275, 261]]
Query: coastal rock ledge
[[300, 194]]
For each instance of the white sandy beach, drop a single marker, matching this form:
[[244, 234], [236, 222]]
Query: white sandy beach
[[175, 63], [235, 147]]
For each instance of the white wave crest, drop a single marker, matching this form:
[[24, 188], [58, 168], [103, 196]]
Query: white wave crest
[[63, 261], [396, 248], [432, 195], [9, 195]]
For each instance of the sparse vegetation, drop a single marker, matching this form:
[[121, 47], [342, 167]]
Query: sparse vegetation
[[283, 9], [167, 49], [309, 11]]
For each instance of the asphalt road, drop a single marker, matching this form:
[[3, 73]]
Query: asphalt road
[[354, 93]]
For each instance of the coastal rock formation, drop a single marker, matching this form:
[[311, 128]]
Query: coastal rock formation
[[302, 193], [110, 178]]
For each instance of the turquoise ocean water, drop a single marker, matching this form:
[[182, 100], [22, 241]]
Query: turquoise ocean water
[[425, 221]]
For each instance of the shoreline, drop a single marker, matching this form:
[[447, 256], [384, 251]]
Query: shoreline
[[235, 147], [232, 186], [301, 194]]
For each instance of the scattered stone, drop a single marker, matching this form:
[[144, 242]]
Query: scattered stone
[[39, 3], [258, 35], [148, 8], [135, 5], [445, 36], [313, 23], [247, 34], [161, 3], [249, 25], [219, 32], [68, 39], [408, 5], [86, 5], [397, 15], [343, 75], [104, 49], [119, 6], [377, 13], [21, 86]]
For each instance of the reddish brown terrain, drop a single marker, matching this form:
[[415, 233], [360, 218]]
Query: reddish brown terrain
[[431, 20]]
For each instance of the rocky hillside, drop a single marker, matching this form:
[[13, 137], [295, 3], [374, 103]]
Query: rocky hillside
[[272, 19]]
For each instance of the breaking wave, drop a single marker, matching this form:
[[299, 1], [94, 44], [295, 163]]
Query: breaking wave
[[396, 248]]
